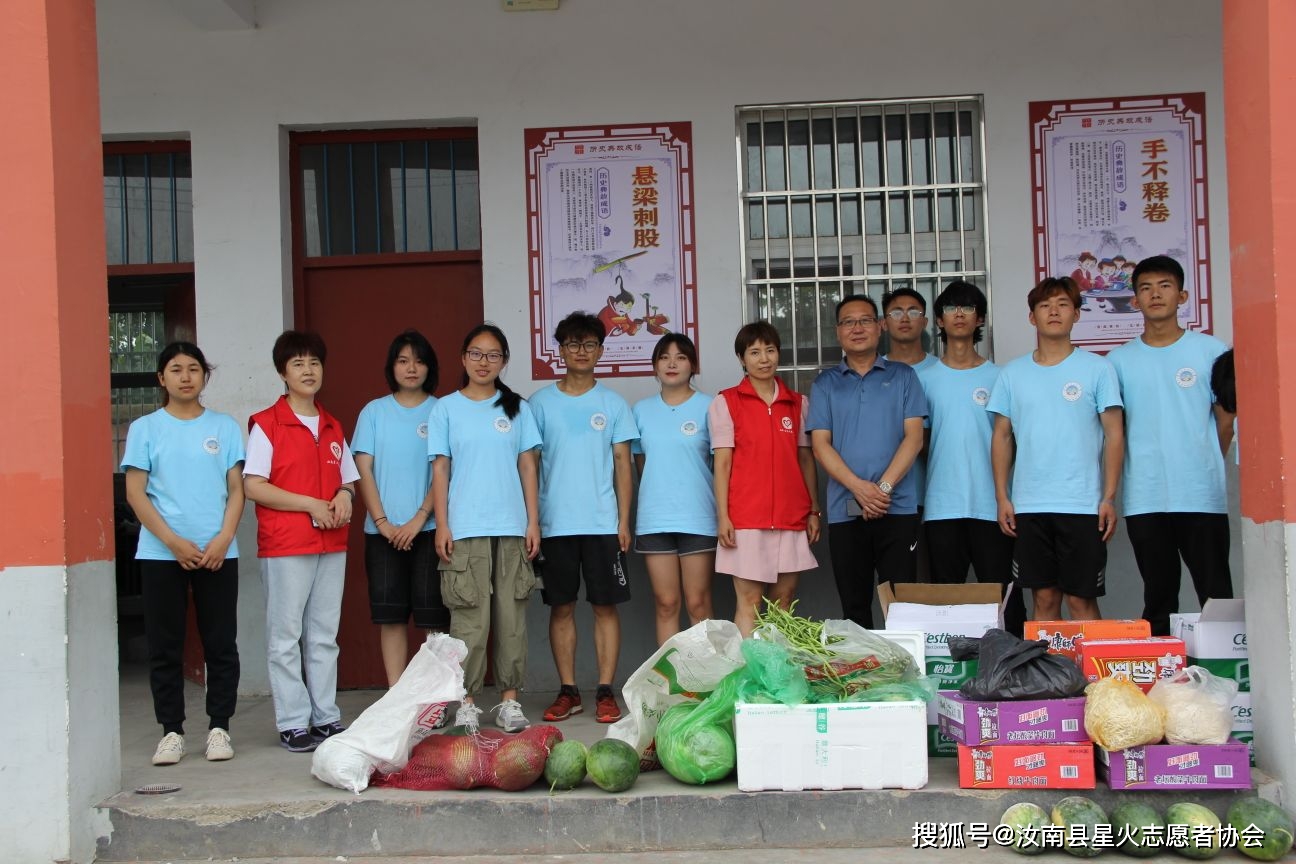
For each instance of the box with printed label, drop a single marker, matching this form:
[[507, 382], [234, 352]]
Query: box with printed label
[[1177, 766], [949, 675], [940, 744], [1040, 721], [1216, 640], [1027, 766], [1064, 636], [941, 611], [1143, 661], [1243, 726]]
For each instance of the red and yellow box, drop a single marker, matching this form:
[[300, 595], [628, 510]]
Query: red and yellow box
[[1065, 636], [1143, 661], [1027, 766]]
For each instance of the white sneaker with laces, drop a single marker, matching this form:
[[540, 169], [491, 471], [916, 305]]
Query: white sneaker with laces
[[468, 716], [219, 747], [170, 749], [509, 716]]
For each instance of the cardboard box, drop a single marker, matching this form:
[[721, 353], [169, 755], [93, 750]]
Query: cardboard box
[[939, 744], [1027, 766], [1216, 640], [1143, 661], [941, 611], [1040, 721], [949, 675], [1063, 636], [1177, 766], [846, 745]]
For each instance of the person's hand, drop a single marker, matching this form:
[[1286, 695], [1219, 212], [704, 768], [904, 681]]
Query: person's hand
[[186, 552], [725, 532], [403, 536], [623, 536], [444, 543], [1107, 519], [813, 528], [213, 556], [532, 540], [1007, 518], [872, 500], [341, 507], [322, 512]]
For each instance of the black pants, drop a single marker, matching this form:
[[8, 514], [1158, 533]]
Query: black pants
[[166, 601], [861, 547], [1159, 540], [955, 544]]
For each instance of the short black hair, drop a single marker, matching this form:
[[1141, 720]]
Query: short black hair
[[891, 296], [297, 343], [960, 293], [1158, 264], [578, 325], [422, 350], [756, 331], [1223, 380], [854, 298]]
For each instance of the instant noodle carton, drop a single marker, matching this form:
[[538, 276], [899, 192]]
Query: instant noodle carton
[[1027, 766], [1143, 661], [1177, 766], [1021, 721], [1064, 636]]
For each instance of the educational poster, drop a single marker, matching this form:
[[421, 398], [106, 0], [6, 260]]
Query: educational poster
[[1114, 181], [610, 231]]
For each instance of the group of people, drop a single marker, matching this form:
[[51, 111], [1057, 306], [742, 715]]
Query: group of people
[[473, 500]]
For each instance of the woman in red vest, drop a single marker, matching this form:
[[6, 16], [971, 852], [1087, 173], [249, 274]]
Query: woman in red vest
[[765, 482], [301, 475]]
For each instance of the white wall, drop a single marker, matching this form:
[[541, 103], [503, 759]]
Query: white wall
[[339, 63]]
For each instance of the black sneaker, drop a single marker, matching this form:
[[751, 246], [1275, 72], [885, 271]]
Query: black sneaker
[[297, 741], [328, 730]]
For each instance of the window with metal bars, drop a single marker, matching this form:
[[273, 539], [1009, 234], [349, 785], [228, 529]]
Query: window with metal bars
[[364, 197], [856, 198], [148, 204]]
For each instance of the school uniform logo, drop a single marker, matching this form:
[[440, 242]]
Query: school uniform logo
[[598, 421], [981, 396], [1186, 377], [422, 430], [690, 427], [787, 424], [336, 449], [1072, 391], [211, 445], [503, 425]]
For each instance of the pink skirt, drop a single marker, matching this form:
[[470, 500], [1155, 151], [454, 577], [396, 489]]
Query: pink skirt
[[761, 554]]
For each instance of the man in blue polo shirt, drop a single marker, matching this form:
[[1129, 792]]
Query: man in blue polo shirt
[[866, 427]]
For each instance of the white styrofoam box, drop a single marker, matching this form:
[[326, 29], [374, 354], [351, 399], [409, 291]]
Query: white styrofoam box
[[941, 622], [845, 745]]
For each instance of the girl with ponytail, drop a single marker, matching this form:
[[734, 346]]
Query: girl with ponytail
[[482, 441]]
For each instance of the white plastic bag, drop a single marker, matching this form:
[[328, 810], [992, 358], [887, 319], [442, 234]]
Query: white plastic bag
[[684, 669], [382, 737], [1198, 706]]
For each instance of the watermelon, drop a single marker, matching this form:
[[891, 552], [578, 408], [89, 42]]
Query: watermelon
[[1129, 824], [519, 763], [1203, 830], [1027, 821], [565, 767], [613, 765], [460, 763], [1276, 829], [1079, 818]]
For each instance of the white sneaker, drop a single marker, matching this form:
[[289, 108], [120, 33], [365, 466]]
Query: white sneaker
[[170, 749], [219, 747], [468, 716], [509, 716]]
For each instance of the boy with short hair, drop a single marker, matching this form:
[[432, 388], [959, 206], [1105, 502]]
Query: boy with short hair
[[585, 485], [1058, 432], [1173, 486]]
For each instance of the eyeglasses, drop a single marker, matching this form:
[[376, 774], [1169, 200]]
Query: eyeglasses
[[489, 356], [911, 314], [852, 323], [581, 347], [953, 310]]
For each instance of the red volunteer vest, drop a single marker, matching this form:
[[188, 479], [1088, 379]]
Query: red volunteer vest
[[306, 467], [766, 489]]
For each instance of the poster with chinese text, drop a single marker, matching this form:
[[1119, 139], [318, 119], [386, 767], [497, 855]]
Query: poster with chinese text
[[1114, 181], [610, 232]]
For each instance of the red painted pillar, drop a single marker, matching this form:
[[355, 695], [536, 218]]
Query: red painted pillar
[[58, 657], [1260, 123]]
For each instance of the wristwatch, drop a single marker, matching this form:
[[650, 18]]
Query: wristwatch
[[885, 487]]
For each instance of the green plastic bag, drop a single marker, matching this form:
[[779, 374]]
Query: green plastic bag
[[695, 742], [772, 674], [919, 689]]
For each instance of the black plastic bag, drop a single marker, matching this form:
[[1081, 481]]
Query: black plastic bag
[[1012, 668]]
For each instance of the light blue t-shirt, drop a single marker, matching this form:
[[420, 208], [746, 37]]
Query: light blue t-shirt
[[187, 462], [1054, 412], [676, 493], [1173, 462], [396, 438], [577, 495], [919, 469], [483, 444], [960, 482]]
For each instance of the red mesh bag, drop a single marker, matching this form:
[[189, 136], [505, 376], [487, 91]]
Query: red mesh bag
[[488, 758]]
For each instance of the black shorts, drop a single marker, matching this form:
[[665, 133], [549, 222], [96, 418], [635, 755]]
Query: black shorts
[[405, 582], [1060, 550], [597, 557], [675, 543]]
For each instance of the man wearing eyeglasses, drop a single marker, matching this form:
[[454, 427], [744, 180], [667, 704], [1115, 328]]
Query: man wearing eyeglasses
[[866, 428], [585, 487]]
